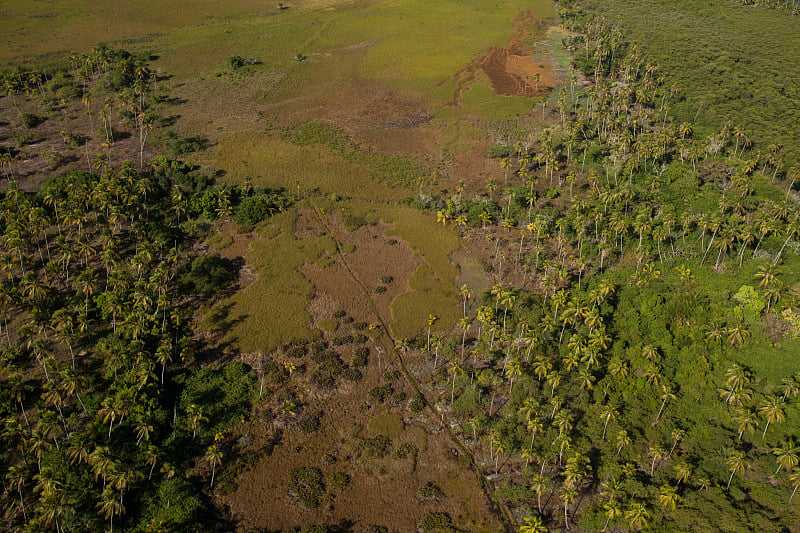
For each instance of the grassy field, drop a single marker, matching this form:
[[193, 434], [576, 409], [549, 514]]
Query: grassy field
[[272, 309]]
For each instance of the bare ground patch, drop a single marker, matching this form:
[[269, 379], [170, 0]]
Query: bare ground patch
[[511, 70]]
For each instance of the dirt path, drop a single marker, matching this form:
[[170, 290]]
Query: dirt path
[[497, 507]]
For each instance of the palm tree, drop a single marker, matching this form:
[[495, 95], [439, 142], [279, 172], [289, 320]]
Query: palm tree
[[539, 485], [772, 409], [607, 414], [794, 479], [568, 495], [623, 440], [668, 496], [736, 462], [455, 369], [513, 370], [666, 395], [213, 457], [744, 420], [15, 477], [637, 516], [196, 418], [682, 471], [110, 506], [786, 455], [612, 512]]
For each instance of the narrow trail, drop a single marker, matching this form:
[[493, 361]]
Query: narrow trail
[[500, 510]]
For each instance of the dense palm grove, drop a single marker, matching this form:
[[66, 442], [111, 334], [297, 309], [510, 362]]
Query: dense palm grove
[[107, 419], [616, 380]]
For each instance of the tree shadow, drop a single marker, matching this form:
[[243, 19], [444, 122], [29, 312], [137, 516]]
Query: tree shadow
[[166, 122]]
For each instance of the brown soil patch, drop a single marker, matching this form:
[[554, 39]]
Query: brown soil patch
[[511, 70], [370, 254], [382, 490]]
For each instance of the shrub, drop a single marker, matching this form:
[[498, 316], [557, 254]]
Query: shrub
[[330, 368], [237, 62], [30, 120], [429, 492], [339, 481], [24, 138], [418, 403], [361, 357], [274, 373], [52, 158], [378, 395], [376, 446], [207, 274], [254, 209], [296, 352], [352, 374], [380, 289], [307, 486], [436, 521], [386, 279], [500, 150], [184, 145], [407, 449], [310, 423]]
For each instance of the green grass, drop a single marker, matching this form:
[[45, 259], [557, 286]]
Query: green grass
[[432, 288], [272, 309], [272, 161], [389, 424]]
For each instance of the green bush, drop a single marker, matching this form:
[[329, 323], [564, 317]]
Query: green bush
[[339, 481], [436, 522], [307, 486], [237, 62], [376, 446], [183, 145], [429, 492], [30, 120], [361, 357], [330, 368], [208, 274], [378, 395], [254, 209]]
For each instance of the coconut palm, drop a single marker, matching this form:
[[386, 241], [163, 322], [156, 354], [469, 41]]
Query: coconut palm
[[668, 497], [213, 457], [607, 414], [772, 409], [736, 463], [666, 395], [786, 455], [637, 516]]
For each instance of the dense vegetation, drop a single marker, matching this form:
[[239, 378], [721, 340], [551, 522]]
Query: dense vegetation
[[107, 416], [733, 65]]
